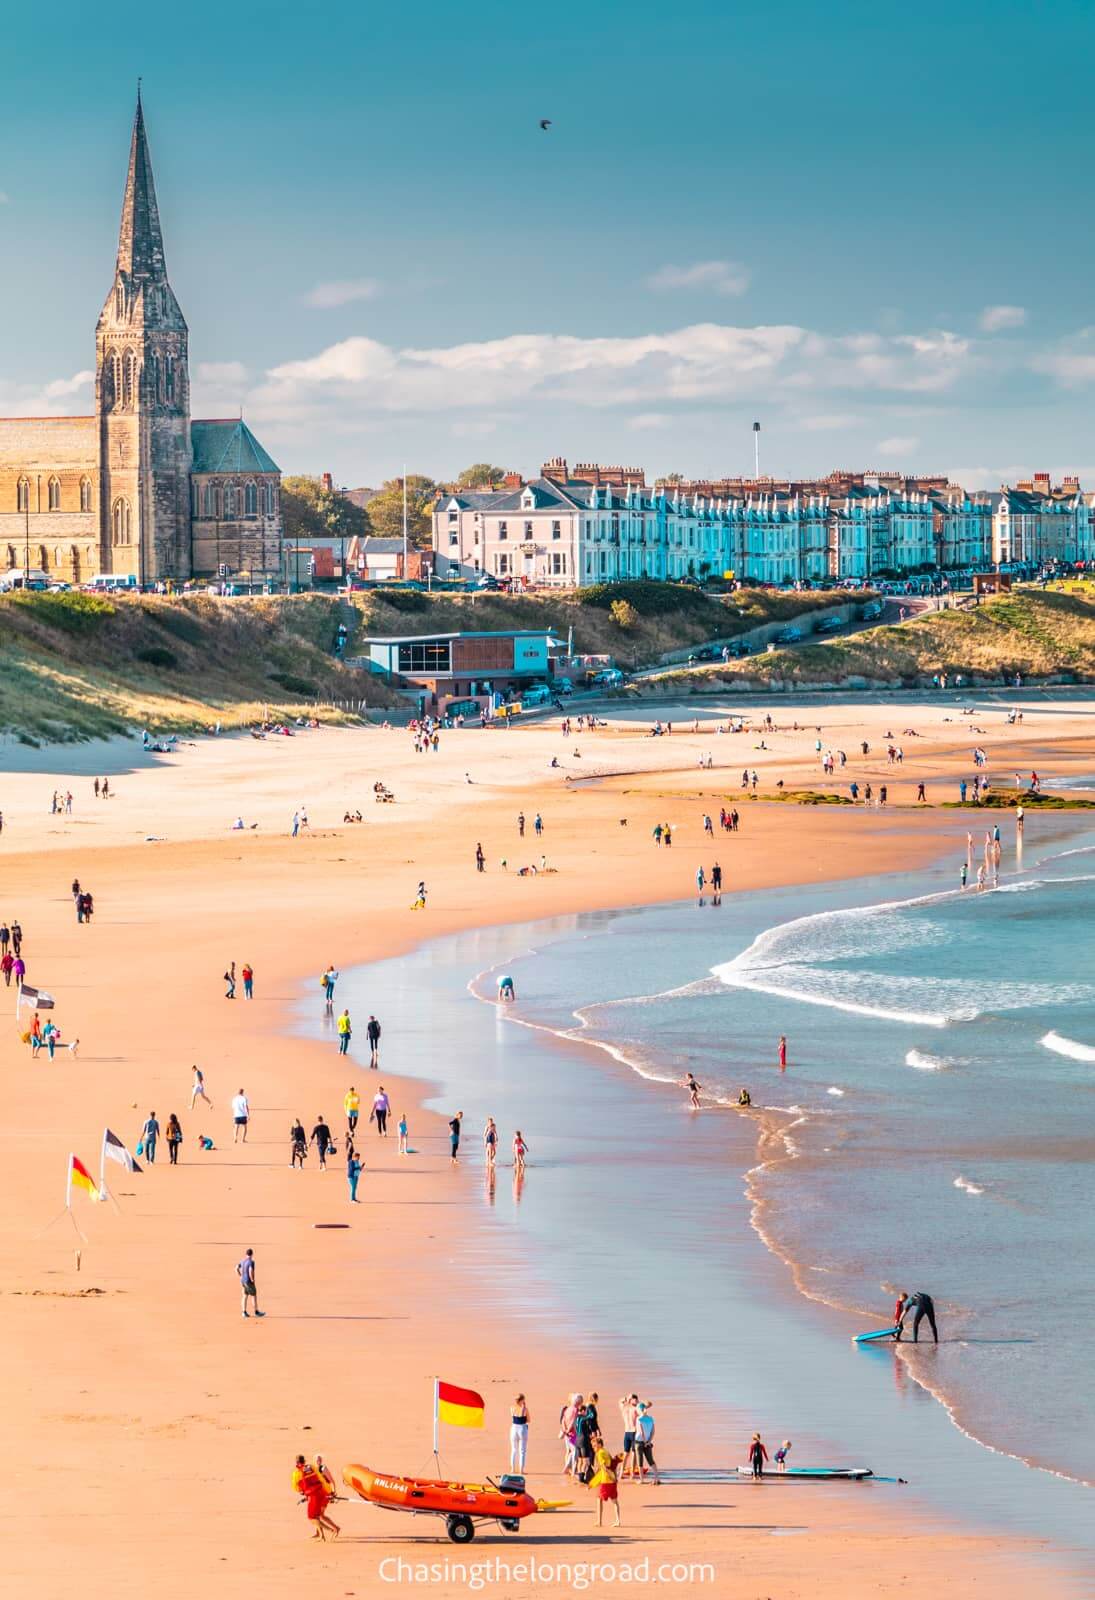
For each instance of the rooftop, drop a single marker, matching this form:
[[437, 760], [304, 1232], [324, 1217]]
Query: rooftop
[[228, 445]]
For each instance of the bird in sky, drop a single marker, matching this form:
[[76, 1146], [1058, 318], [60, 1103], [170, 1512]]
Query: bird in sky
[[545, 123]]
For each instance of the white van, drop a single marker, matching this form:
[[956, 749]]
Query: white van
[[35, 579], [111, 581]]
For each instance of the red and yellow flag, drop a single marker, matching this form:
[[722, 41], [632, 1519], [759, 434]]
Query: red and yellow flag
[[461, 1408], [80, 1178]]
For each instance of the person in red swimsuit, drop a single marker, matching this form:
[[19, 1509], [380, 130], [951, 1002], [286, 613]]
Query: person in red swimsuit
[[308, 1482]]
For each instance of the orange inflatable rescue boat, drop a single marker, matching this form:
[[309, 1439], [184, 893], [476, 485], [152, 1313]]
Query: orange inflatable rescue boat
[[461, 1504]]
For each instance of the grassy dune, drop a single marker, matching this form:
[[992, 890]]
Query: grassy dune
[[78, 666], [1039, 635]]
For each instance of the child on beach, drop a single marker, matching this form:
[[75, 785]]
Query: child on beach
[[605, 1483], [403, 1133], [781, 1455]]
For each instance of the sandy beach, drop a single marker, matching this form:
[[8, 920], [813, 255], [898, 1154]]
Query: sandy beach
[[154, 1436]]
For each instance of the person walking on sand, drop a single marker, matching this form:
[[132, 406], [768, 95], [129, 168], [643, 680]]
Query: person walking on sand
[[403, 1130], [298, 1145], [606, 1486], [693, 1088], [248, 975], [353, 1170], [241, 1115], [758, 1455], [345, 1033], [518, 1434], [317, 1497], [249, 1290], [782, 1052], [230, 980], [381, 1106], [490, 1141], [296, 825], [197, 1089], [520, 1151], [328, 985], [372, 1033], [644, 1440], [149, 1134], [454, 1136], [480, 858], [173, 1135], [351, 1104], [321, 1138]]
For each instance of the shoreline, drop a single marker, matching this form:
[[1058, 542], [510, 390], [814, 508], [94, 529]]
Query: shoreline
[[142, 986]]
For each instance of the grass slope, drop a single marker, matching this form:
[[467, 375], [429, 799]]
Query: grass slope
[[78, 666], [1037, 634]]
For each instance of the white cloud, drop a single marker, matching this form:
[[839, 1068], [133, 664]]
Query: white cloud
[[723, 277], [830, 422], [473, 430], [703, 361], [214, 372], [648, 420], [996, 319], [899, 445], [341, 292], [73, 385]]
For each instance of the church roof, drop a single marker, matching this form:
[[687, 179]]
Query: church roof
[[140, 240], [228, 446]]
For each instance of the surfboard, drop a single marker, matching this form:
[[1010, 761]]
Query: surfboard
[[880, 1333], [811, 1472]]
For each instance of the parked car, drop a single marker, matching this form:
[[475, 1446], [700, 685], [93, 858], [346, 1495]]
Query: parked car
[[789, 636], [830, 625], [610, 678], [872, 610], [562, 685]]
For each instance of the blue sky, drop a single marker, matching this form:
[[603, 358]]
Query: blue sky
[[869, 227]]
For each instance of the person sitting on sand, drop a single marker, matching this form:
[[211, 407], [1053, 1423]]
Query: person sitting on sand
[[745, 1098]]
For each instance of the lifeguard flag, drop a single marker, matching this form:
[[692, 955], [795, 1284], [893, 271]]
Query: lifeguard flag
[[460, 1408], [80, 1178]]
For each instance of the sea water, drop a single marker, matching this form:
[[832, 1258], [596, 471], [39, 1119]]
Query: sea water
[[935, 1130]]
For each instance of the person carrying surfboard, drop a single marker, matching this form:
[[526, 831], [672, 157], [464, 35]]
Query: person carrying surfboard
[[899, 1313]]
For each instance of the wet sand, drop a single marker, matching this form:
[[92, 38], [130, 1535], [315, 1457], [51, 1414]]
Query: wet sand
[[155, 1435]]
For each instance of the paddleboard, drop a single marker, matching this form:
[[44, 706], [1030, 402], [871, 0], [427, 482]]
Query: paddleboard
[[880, 1333], [811, 1472]]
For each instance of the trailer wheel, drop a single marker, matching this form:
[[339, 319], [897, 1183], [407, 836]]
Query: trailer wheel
[[461, 1530]]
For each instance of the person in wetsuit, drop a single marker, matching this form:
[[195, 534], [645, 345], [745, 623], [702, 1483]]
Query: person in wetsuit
[[921, 1305]]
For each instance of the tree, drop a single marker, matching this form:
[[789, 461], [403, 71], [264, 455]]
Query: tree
[[312, 512], [386, 508], [481, 473], [624, 614]]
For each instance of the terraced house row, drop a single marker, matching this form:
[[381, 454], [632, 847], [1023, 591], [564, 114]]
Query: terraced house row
[[595, 524]]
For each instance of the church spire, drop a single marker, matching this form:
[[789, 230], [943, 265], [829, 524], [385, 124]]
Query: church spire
[[140, 242]]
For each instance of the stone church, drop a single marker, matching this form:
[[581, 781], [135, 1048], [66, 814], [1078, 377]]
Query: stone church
[[139, 487]]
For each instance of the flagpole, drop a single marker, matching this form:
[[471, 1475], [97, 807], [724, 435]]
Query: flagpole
[[436, 1419], [68, 1184]]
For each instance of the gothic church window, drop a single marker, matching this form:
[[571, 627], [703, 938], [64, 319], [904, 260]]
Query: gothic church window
[[129, 379], [116, 382], [271, 504], [22, 495], [169, 378], [54, 494], [85, 494], [119, 522], [229, 501], [210, 498], [250, 501], [43, 558]]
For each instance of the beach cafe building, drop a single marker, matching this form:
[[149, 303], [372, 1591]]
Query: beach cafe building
[[488, 669]]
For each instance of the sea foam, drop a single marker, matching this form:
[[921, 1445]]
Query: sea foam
[[1067, 1047]]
